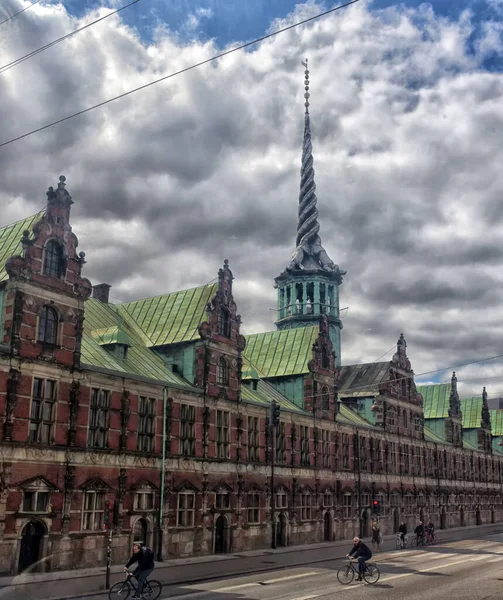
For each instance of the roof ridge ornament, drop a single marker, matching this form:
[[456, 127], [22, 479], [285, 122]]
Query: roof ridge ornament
[[309, 253]]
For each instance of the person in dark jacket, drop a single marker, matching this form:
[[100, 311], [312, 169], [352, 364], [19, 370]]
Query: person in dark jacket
[[362, 553], [419, 531], [145, 559], [402, 530]]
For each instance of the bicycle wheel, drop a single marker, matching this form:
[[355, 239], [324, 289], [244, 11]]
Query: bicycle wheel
[[398, 544], [152, 590], [120, 590], [345, 575], [371, 574]]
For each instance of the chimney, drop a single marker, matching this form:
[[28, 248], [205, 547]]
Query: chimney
[[101, 292]]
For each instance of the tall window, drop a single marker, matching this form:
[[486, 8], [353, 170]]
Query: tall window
[[325, 359], [224, 325], [99, 422], [94, 509], [305, 506], [253, 440], [222, 434], [146, 420], [222, 372], [281, 444], [325, 448], [363, 454], [253, 507], [281, 499], [54, 259], [223, 500], [185, 509], [144, 500], [325, 398], [347, 505], [43, 411], [187, 430], [304, 445], [345, 451], [48, 326]]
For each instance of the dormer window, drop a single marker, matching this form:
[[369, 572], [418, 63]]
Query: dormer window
[[118, 350], [35, 501], [48, 326], [54, 259]]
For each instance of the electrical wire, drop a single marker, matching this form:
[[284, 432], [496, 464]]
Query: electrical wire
[[383, 355], [199, 64], [19, 12], [61, 39]]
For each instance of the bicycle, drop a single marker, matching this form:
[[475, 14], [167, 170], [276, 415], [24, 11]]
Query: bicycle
[[419, 541], [430, 538], [400, 545], [347, 573], [151, 590]]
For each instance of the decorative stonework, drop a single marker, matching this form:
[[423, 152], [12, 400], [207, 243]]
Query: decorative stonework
[[74, 410], [10, 403]]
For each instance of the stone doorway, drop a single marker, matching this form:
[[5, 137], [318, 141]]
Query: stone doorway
[[221, 543], [281, 530], [32, 539], [327, 527], [141, 531]]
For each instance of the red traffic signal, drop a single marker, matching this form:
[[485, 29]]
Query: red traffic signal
[[376, 502]]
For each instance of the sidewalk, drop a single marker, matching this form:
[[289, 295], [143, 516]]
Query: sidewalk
[[65, 585]]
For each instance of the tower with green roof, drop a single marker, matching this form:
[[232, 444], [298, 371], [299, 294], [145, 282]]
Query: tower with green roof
[[309, 286]]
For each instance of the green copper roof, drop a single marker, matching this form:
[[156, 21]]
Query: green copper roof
[[346, 415], [472, 412], [170, 318], [430, 436], [10, 240], [140, 360], [496, 421], [265, 394], [436, 400], [280, 353], [111, 335], [467, 445]]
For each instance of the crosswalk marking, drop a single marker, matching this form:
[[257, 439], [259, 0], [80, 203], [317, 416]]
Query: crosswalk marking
[[236, 587], [269, 581], [307, 597], [475, 558]]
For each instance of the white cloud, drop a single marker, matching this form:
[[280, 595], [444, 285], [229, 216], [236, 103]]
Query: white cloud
[[408, 146]]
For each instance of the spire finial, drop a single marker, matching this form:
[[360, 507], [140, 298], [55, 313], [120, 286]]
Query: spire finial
[[306, 86]]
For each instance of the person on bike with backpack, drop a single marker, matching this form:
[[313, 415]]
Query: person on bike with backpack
[[362, 553], [145, 559], [402, 530], [430, 532], [419, 531]]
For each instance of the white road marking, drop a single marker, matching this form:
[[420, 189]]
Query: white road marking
[[497, 559], [269, 581], [475, 558], [235, 587], [306, 597]]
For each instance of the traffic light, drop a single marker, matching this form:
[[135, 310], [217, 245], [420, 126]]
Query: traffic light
[[275, 412], [376, 506], [106, 515]]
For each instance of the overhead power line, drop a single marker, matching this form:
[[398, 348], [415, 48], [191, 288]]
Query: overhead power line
[[61, 39], [19, 12], [199, 64]]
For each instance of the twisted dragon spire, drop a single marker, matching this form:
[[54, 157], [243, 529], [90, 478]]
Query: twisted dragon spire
[[309, 253]]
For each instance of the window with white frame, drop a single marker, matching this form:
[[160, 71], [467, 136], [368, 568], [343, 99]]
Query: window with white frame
[[222, 500], [146, 424], [187, 430], [222, 372], [281, 499], [328, 499], [35, 501], [305, 506], [365, 499], [185, 509], [253, 439], [222, 433], [99, 421], [43, 411], [94, 510], [347, 505], [253, 507], [144, 499]]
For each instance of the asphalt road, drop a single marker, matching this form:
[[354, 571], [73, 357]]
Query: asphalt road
[[461, 570]]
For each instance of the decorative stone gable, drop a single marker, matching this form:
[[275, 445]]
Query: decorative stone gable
[[454, 424], [485, 439], [319, 386], [44, 299], [218, 355]]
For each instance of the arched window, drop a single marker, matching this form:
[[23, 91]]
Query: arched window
[[325, 398], [48, 326], [54, 259], [222, 372], [325, 359], [225, 323]]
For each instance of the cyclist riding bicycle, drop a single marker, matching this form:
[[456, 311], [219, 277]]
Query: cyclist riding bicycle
[[402, 530], [362, 553], [145, 559], [419, 531], [430, 532]]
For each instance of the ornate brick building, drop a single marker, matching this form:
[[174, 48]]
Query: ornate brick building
[[159, 409]]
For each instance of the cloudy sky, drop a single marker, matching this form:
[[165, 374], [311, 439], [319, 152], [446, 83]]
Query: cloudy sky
[[407, 121]]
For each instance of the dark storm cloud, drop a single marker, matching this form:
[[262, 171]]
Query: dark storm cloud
[[407, 142]]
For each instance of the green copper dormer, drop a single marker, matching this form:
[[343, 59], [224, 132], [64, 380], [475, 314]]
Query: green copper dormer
[[113, 339], [309, 286]]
